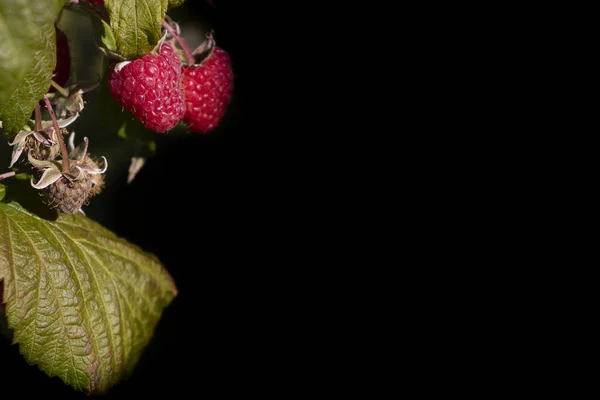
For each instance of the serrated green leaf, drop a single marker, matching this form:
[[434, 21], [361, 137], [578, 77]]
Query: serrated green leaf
[[136, 25], [175, 3], [82, 302], [27, 57], [104, 34]]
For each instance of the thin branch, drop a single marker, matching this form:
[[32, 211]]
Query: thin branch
[[59, 88], [186, 50], [66, 166], [38, 117]]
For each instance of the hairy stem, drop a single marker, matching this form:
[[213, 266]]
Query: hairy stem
[[66, 166], [60, 89], [186, 50], [38, 117]]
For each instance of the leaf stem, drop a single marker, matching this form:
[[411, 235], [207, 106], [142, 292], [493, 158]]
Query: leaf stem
[[186, 50], [38, 117], [59, 88], [66, 166]]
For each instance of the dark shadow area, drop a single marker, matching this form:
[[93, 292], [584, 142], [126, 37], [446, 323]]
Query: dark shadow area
[[193, 206]]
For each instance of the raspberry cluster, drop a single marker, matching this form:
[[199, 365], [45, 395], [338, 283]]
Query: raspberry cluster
[[160, 91]]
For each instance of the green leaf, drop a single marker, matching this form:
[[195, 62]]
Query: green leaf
[[136, 24], [104, 34], [175, 3], [82, 302], [27, 57]]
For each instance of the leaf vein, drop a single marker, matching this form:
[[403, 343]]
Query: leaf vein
[[62, 317], [91, 269], [119, 277], [135, 30], [12, 261], [111, 251], [117, 241], [39, 279]]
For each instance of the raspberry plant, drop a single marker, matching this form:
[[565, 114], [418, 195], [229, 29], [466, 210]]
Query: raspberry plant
[[80, 302]]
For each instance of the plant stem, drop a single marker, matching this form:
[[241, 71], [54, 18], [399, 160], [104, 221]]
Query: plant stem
[[7, 175], [66, 166], [186, 50], [59, 88], [38, 117]]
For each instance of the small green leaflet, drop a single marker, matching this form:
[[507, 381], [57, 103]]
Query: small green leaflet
[[175, 3], [136, 25], [104, 34], [82, 302]]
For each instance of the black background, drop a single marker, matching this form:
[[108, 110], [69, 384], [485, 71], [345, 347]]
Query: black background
[[193, 205]]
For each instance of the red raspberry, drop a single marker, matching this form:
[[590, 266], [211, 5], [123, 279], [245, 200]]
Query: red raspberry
[[150, 87], [173, 58], [101, 2], [208, 89], [63, 60]]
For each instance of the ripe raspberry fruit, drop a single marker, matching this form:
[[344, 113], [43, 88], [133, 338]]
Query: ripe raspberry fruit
[[208, 89], [150, 87], [63, 60], [172, 57], [101, 2]]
